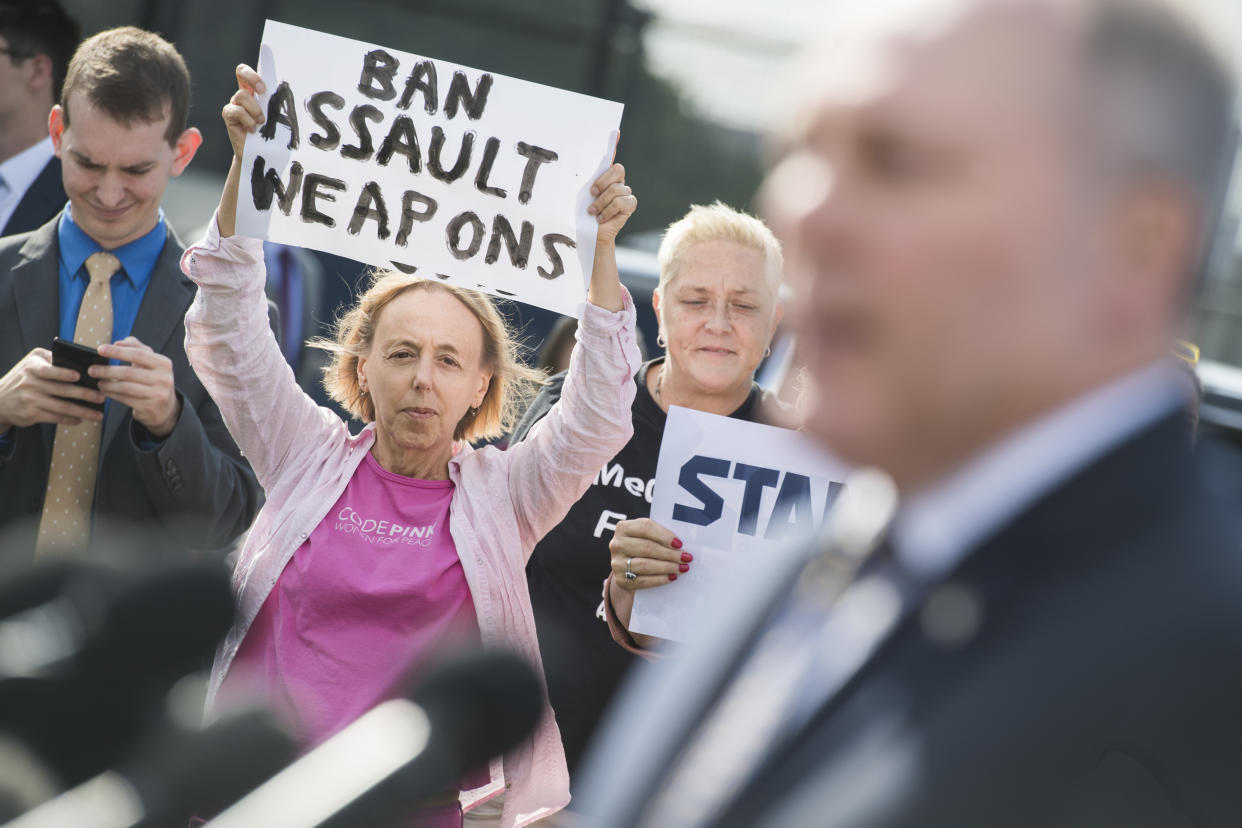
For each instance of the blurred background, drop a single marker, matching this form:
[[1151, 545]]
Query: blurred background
[[697, 80], [684, 141], [701, 81]]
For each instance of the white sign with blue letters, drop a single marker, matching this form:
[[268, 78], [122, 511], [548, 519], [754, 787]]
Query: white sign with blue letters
[[736, 493]]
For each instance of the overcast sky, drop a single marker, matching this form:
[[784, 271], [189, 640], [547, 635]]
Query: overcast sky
[[727, 56]]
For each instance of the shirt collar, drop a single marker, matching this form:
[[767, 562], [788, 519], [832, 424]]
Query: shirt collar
[[138, 257], [20, 171], [939, 524]]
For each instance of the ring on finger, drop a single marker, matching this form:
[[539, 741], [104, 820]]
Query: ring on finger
[[630, 574]]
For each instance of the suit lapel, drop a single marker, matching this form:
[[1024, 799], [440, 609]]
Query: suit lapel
[[160, 315], [648, 743], [1057, 536], [44, 198], [35, 280], [36, 288]]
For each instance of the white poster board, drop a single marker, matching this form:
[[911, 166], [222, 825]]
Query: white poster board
[[406, 162], [737, 494]]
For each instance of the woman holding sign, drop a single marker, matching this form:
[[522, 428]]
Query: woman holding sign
[[717, 307], [375, 547]]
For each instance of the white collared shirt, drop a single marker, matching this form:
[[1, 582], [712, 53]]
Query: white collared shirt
[[937, 525], [18, 173]]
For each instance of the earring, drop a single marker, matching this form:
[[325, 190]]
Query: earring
[[660, 340], [767, 352], [474, 410]]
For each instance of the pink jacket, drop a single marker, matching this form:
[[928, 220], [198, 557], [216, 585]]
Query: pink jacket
[[504, 500]]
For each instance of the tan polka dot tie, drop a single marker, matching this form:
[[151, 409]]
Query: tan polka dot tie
[[66, 523]]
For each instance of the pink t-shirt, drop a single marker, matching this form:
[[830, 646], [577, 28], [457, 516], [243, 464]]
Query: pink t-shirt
[[374, 591]]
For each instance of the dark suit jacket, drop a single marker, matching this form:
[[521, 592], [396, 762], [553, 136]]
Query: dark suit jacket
[[43, 200], [1100, 685], [193, 492]]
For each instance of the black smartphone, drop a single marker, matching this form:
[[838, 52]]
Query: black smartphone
[[66, 354]]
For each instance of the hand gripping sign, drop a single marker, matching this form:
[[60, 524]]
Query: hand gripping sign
[[402, 161], [737, 494]]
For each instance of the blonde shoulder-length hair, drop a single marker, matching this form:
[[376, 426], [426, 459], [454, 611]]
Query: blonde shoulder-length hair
[[512, 384]]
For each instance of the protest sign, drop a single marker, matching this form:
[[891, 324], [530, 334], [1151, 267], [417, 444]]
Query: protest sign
[[407, 162], [737, 494]]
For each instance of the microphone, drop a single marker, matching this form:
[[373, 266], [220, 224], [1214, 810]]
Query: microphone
[[84, 670], [95, 620], [25, 782], [39, 584], [172, 777], [377, 769]]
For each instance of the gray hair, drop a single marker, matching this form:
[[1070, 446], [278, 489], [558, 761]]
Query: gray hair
[[1160, 98]]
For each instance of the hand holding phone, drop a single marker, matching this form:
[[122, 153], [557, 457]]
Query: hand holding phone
[[37, 391], [78, 357], [144, 380]]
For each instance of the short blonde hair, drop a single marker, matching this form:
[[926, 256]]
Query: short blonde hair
[[719, 222], [512, 382]]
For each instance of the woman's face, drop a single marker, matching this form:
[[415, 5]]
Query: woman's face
[[717, 315], [424, 370]]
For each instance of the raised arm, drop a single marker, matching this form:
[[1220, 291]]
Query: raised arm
[[613, 206], [228, 338], [592, 420], [242, 115]]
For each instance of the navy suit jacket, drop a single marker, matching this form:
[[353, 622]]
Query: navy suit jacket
[[1100, 683], [43, 200], [193, 492]]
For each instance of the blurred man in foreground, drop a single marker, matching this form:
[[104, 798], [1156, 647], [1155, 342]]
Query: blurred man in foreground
[[993, 210]]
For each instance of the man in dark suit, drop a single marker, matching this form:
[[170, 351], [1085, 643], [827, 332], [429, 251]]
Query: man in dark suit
[[106, 273], [37, 39], [992, 210]]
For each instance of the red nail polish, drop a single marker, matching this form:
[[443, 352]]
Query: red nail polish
[[684, 567], [686, 557], [672, 577], [676, 544]]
